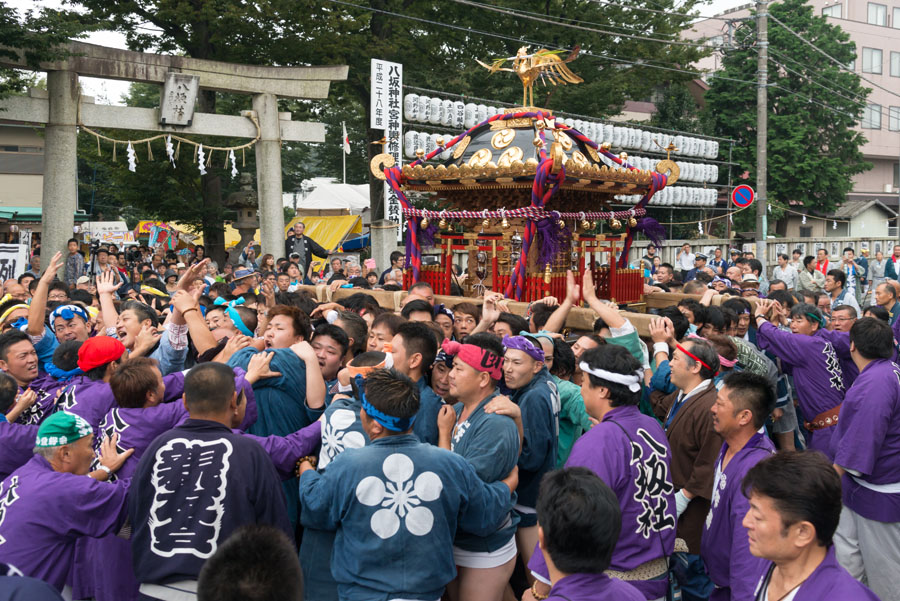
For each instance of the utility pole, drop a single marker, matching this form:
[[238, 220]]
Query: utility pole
[[762, 124]]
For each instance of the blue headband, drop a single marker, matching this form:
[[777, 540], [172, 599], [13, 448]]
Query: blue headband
[[233, 314], [59, 374], [394, 424], [67, 312]]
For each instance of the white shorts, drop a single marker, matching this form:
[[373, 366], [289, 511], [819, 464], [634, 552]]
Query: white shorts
[[485, 559]]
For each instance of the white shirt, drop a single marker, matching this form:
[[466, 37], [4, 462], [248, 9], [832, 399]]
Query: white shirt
[[686, 261], [788, 275]]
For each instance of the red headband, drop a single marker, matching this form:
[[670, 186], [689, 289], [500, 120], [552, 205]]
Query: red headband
[[695, 358], [475, 357]]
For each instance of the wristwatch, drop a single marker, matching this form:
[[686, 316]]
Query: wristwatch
[[103, 468]]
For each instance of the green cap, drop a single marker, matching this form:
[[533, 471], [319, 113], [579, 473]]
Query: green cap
[[62, 428]]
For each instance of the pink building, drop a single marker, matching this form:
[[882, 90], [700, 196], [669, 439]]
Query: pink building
[[875, 28]]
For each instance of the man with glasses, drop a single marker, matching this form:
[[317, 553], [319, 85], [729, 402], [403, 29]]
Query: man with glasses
[[842, 318]]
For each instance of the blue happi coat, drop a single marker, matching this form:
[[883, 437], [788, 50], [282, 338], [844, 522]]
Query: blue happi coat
[[396, 505], [539, 402], [425, 427], [341, 430], [281, 404], [490, 442]]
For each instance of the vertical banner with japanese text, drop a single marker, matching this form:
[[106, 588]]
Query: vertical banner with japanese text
[[387, 114], [13, 260]]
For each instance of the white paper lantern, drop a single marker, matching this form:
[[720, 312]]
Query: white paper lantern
[[411, 107], [447, 113], [617, 136], [409, 144], [424, 108], [481, 115], [435, 110], [430, 143], [459, 114], [471, 117]]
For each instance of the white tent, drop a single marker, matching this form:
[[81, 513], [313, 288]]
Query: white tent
[[327, 195]]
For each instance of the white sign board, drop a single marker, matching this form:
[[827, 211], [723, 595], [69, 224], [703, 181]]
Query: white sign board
[[13, 260], [25, 237], [378, 95], [178, 99], [387, 95]]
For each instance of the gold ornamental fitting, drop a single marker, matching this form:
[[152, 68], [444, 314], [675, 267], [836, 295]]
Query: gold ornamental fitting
[[379, 164], [615, 224], [420, 152]]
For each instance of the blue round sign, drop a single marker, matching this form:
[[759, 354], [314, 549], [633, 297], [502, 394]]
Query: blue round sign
[[742, 196]]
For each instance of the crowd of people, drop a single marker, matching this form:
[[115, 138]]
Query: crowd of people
[[172, 432]]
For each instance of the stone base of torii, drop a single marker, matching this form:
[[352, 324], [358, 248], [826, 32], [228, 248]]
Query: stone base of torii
[[61, 108]]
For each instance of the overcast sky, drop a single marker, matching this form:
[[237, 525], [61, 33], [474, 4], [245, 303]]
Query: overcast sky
[[110, 91]]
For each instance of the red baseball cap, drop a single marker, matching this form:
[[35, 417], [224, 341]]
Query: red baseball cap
[[98, 351]]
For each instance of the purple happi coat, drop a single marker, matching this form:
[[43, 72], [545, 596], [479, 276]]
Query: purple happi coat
[[828, 581], [867, 442], [817, 375], [90, 399], [630, 453], [16, 446], [43, 513], [45, 387], [841, 343], [593, 587], [725, 547]]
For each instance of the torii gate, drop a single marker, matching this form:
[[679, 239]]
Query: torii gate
[[60, 110]]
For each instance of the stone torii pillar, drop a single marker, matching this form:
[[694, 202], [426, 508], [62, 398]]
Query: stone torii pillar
[[268, 175], [59, 111], [60, 151]]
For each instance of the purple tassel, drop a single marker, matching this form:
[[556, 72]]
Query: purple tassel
[[426, 236], [554, 240], [407, 263], [651, 228]]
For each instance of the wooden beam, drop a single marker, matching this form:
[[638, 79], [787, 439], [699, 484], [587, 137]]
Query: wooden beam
[[91, 60]]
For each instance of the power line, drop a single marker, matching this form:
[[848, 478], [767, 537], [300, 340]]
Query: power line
[[831, 58], [662, 12], [519, 40], [586, 53], [824, 87], [512, 12], [582, 22], [812, 68]]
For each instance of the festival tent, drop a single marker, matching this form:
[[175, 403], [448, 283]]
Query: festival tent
[[330, 196], [330, 232]]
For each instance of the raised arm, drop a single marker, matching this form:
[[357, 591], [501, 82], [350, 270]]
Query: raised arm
[[38, 307], [188, 308], [106, 287], [606, 311], [557, 319]]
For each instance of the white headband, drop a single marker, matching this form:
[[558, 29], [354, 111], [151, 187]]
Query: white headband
[[633, 382]]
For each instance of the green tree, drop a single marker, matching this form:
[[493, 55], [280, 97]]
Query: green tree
[[813, 150], [37, 36], [676, 108]]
